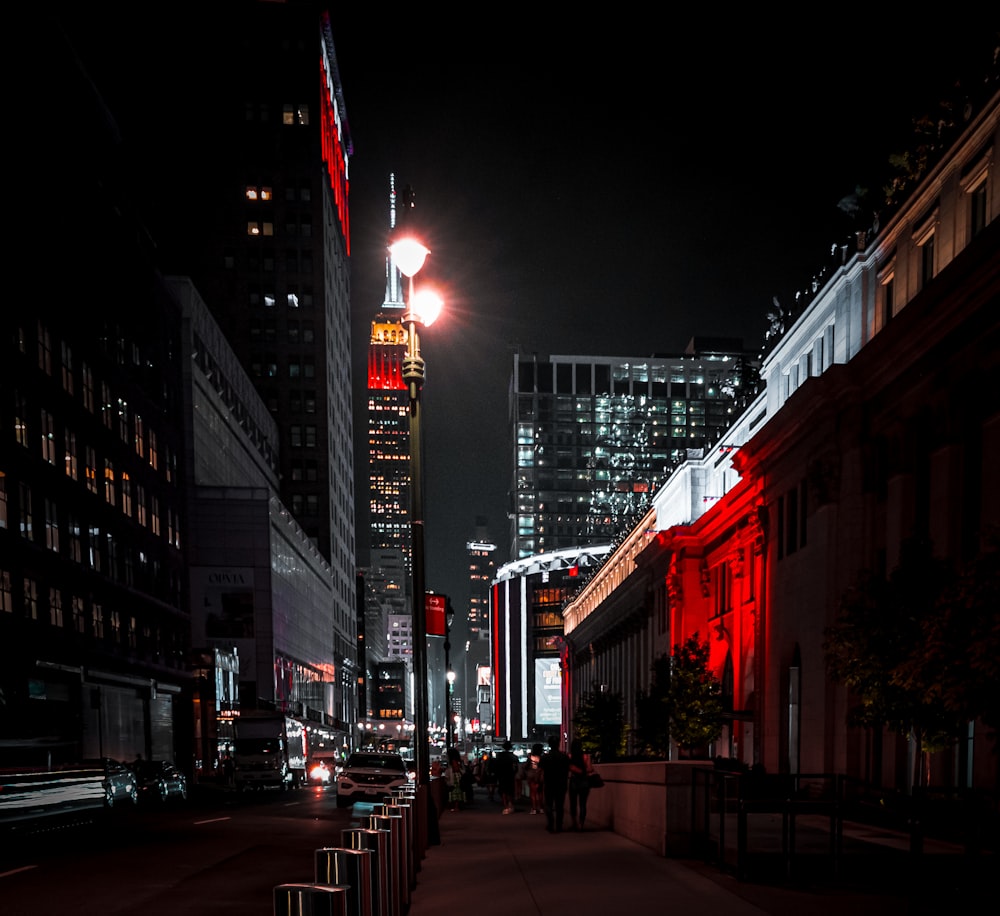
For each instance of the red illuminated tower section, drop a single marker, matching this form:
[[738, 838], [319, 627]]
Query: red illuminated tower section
[[388, 418]]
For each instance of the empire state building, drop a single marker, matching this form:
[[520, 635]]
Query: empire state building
[[388, 419]]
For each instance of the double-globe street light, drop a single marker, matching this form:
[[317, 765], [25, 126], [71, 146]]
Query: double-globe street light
[[408, 254]]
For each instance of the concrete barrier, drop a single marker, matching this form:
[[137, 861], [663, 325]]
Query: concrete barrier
[[647, 802]]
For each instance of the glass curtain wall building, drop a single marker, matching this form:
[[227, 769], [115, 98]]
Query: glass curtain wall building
[[595, 436]]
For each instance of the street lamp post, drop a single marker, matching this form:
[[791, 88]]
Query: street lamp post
[[409, 255], [467, 705], [449, 618]]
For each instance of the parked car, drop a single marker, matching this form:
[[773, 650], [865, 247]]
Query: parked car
[[119, 782], [370, 776], [159, 781]]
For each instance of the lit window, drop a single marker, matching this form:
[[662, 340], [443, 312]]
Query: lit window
[[253, 228], [70, 466], [251, 193], [91, 469], [55, 607], [109, 482], [126, 494], [75, 532], [48, 437]]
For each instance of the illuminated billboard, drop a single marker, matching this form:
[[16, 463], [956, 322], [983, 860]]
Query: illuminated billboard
[[548, 691]]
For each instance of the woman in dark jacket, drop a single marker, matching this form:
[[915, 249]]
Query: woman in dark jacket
[[580, 769]]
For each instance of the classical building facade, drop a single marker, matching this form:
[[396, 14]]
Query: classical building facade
[[879, 422]]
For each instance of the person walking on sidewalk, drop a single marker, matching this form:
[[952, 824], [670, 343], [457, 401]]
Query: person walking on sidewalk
[[531, 775], [487, 773], [453, 779], [580, 770], [555, 773], [506, 772]]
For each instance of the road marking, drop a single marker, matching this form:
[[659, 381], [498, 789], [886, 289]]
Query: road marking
[[213, 820], [14, 871]]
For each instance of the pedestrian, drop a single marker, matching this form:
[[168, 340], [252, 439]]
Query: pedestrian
[[555, 775], [531, 775], [453, 779], [488, 774], [580, 771], [506, 773], [467, 782]]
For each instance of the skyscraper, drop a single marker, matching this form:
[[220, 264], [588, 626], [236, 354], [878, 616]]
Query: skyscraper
[[388, 417], [247, 194], [475, 661], [482, 567], [595, 436]]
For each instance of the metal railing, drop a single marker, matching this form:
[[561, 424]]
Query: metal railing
[[831, 827]]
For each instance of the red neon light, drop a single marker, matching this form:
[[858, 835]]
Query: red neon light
[[333, 155]]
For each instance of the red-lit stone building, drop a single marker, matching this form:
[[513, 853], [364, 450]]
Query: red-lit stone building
[[879, 421]]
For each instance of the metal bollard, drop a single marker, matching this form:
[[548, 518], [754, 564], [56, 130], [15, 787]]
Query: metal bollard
[[408, 808], [310, 900], [387, 809], [379, 843], [351, 868], [394, 826]]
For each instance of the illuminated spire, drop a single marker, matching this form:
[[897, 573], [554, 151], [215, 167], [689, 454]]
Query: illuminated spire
[[393, 281]]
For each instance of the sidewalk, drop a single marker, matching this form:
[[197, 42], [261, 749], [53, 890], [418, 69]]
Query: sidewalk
[[490, 864]]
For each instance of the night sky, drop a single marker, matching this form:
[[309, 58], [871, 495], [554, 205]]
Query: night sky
[[614, 188], [596, 185]]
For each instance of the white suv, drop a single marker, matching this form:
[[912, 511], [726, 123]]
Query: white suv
[[370, 776]]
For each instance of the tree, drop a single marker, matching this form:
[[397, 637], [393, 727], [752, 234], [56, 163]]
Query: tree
[[600, 725], [652, 712], [958, 662], [876, 645], [694, 697]]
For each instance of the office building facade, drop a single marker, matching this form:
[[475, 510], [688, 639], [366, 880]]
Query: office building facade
[[94, 618], [269, 255], [594, 437]]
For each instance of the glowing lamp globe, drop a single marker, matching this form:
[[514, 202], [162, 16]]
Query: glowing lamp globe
[[409, 255]]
